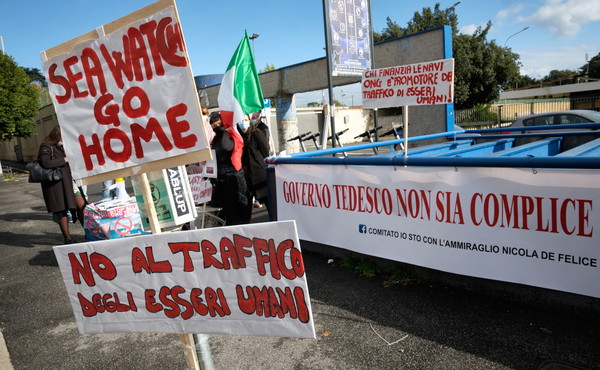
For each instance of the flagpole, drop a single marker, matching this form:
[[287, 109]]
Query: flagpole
[[331, 111]]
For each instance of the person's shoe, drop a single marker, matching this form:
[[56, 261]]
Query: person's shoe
[[70, 241], [257, 205]]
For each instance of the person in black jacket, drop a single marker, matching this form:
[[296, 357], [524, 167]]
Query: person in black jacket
[[256, 149], [230, 191], [60, 196]]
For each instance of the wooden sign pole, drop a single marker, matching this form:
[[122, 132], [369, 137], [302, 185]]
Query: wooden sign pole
[[187, 339]]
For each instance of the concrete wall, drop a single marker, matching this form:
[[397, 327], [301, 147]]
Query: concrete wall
[[26, 149]]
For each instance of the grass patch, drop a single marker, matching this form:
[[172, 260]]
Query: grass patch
[[368, 268]]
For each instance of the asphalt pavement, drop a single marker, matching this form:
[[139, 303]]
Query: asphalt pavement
[[361, 322]]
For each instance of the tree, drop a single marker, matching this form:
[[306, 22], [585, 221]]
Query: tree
[[268, 67], [525, 80], [425, 20], [592, 67], [555, 75], [36, 75], [313, 104], [19, 101], [481, 68]]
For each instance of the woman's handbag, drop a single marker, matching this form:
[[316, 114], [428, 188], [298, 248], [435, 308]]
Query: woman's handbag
[[37, 173]]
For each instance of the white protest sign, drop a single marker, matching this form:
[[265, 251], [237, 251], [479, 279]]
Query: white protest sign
[[201, 188], [425, 83], [538, 228], [127, 97], [234, 280]]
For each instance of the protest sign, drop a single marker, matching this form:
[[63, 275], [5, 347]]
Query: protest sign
[[201, 188], [235, 280], [510, 224], [171, 196], [425, 83], [125, 97]]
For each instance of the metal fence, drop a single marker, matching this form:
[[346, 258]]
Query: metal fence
[[504, 112]]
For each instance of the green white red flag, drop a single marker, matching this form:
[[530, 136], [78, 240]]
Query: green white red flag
[[240, 93]]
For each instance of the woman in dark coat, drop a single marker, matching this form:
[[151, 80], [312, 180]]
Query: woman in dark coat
[[256, 149], [63, 195], [230, 191]]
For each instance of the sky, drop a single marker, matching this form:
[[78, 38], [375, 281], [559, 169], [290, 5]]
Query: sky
[[547, 34]]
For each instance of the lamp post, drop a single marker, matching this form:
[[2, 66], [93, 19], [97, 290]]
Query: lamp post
[[252, 37], [516, 33]]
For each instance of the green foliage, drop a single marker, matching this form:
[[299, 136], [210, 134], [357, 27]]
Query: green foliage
[[19, 100], [363, 267], [398, 276], [36, 75], [592, 67], [369, 268], [425, 20], [313, 104], [268, 67], [524, 81], [481, 113], [555, 74]]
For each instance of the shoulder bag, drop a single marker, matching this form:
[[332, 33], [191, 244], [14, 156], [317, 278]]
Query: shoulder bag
[[37, 173]]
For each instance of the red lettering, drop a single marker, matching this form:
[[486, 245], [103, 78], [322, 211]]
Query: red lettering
[[148, 30], [151, 305], [74, 77], [62, 81], [110, 115], [138, 55], [143, 100], [87, 151], [240, 243], [185, 248], [93, 68], [120, 136], [169, 42], [208, 250], [180, 127], [119, 67]]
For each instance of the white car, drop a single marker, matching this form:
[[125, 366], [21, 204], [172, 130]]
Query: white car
[[558, 118]]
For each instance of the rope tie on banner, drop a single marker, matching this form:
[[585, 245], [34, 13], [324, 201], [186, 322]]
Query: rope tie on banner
[[531, 164]]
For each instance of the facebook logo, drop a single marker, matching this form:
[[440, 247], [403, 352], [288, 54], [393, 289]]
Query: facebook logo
[[362, 229]]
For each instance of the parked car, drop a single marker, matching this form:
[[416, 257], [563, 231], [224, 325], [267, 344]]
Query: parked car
[[558, 118]]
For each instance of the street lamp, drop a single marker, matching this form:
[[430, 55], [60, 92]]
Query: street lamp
[[515, 34], [252, 37]]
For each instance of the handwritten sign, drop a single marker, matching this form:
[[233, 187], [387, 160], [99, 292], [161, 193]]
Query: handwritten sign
[[414, 84], [236, 280], [201, 188], [127, 97]]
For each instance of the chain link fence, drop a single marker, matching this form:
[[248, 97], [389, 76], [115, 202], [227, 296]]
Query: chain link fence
[[503, 113]]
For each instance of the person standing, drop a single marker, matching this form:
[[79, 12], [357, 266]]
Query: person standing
[[60, 196], [210, 134], [258, 123], [230, 190], [256, 149]]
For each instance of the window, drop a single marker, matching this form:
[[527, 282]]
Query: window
[[570, 118], [539, 121]]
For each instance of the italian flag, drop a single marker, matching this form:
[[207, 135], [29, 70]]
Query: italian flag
[[240, 93]]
